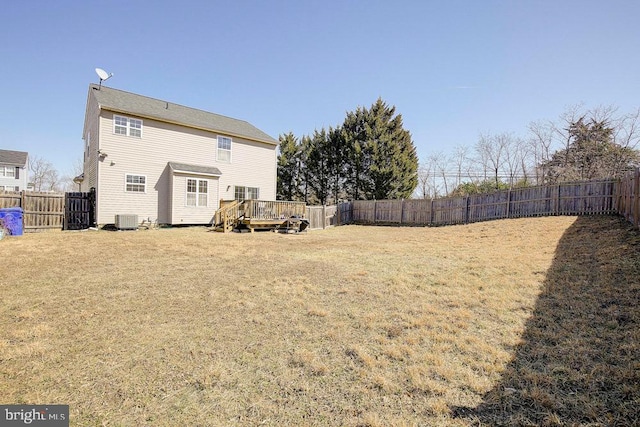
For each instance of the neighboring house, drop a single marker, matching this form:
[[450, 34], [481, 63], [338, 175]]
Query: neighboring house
[[169, 163], [13, 170]]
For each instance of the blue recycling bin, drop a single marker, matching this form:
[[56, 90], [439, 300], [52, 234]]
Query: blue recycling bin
[[11, 220]]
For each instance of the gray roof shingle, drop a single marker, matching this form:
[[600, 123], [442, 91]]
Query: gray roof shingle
[[204, 170], [138, 105], [14, 158]]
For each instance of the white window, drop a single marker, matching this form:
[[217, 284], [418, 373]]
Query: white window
[[9, 188], [224, 149], [246, 193], [197, 192], [8, 171], [127, 126], [135, 184]]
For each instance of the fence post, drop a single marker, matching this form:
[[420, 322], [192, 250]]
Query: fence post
[[324, 216], [509, 204], [401, 210], [636, 197], [431, 213], [466, 211], [375, 211], [23, 196]]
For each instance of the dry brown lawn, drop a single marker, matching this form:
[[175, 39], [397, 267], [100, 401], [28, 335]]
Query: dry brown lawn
[[513, 322]]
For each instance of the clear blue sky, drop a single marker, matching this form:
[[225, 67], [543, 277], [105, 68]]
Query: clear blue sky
[[453, 69]]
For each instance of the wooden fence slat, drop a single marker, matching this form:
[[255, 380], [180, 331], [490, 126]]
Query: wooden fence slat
[[577, 198], [44, 210], [47, 210]]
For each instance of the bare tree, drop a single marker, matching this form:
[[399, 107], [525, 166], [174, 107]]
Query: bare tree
[[540, 142], [514, 159], [425, 189], [627, 129], [430, 175], [67, 183], [491, 151], [43, 175], [441, 161], [462, 164]]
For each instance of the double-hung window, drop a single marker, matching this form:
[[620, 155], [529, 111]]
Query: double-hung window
[[135, 183], [8, 171], [197, 192], [246, 193], [224, 149], [127, 126]]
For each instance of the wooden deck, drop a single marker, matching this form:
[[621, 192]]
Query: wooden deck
[[256, 214]]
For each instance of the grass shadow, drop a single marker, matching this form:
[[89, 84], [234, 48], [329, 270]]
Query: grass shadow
[[578, 362]]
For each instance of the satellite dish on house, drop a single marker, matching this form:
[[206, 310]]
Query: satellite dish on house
[[103, 75]]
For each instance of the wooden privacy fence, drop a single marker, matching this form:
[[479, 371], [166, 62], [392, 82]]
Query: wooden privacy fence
[[581, 198], [42, 211], [77, 210], [321, 217], [627, 197]]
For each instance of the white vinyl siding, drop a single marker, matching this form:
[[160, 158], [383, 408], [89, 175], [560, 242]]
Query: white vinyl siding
[[197, 192], [135, 183], [127, 126], [88, 146], [254, 165], [224, 149]]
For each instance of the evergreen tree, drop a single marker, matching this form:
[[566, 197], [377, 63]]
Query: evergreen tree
[[304, 188], [591, 153], [355, 144], [371, 156], [288, 167], [382, 162], [319, 166], [337, 155]]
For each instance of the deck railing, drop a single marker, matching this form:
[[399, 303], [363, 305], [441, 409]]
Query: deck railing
[[228, 214], [233, 212], [272, 209]]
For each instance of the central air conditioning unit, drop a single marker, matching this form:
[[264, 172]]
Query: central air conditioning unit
[[127, 222]]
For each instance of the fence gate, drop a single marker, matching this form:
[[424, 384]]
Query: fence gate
[[80, 210]]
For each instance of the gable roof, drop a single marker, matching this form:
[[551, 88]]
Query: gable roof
[[14, 158], [123, 102]]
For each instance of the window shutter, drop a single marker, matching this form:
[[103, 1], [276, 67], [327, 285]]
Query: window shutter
[[17, 172]]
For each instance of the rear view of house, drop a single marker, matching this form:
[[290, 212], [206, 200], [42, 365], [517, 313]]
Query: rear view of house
[[169, 163], [13, 170]]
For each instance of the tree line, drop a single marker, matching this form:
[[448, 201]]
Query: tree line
[[369, 156], [582, 145]]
